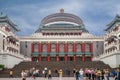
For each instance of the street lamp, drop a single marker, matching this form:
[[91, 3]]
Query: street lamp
[[3, 42]]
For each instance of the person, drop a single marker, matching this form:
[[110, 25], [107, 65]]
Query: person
[[77, 74], [117, 76], [45, 72], [107, 74], [102, 75], [11, 73], [60, 74], [86, 74], [56, 71], [23, 75], [74, 71], [49, 74], [81, 74]]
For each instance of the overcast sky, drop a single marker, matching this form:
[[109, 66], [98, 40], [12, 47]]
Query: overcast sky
[[27, 14]]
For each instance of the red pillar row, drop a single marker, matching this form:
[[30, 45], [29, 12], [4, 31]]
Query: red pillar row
[[32, 47], [83, 47], [74, 47], [91, 47]]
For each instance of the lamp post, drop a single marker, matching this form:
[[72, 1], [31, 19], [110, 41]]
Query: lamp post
[[3, 43], [26, 48]]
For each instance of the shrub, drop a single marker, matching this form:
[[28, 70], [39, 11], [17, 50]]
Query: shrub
[[1, 66]]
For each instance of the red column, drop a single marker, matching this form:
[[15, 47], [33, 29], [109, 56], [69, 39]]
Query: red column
[[40, 58], [57, 47], [57, 58], [83, 57], [74, 58], [32, 47], [66, 47], [40, 47], [48, 58], [48, 47], [83, 47], [74, 47], [91, 47], [66, 58], [48, 50]]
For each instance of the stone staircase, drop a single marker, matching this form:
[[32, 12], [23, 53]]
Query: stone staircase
[[69, 65]]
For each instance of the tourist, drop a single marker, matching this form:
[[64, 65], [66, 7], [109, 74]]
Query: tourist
[[89, 74], [23, 75], [56, 71], [49, 74], [117, 77], [77, 75], [102, 75], [92, 74], [86, 73], [45, 72], [107, 74], [60, 74], [74, 71], [11, 73], [98, 73], [81, 74]]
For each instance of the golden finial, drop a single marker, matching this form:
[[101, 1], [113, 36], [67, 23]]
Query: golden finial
[[61, 10]]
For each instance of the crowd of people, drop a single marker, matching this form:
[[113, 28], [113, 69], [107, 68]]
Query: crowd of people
[[79, 74], [96, 74], [37, 73]]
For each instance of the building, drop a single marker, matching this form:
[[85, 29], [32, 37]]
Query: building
[[61, 37], [111, 53], [9, 43]]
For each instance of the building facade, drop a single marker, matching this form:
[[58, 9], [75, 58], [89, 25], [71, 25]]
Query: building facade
[[61, 37], [111, 53], [9, 43]]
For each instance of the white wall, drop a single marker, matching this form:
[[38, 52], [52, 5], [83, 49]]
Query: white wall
[[111, 60], [9, 60], [118, 59]]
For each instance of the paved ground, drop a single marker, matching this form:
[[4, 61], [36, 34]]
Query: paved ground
[[41, 78]]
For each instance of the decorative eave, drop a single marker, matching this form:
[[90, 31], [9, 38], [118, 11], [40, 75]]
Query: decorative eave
[[116, 19], [4, 18]]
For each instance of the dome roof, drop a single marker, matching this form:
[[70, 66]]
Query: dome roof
[[61, 17], [61, 21]]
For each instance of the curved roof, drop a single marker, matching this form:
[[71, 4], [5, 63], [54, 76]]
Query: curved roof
[[61, 21], [66, 17]]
